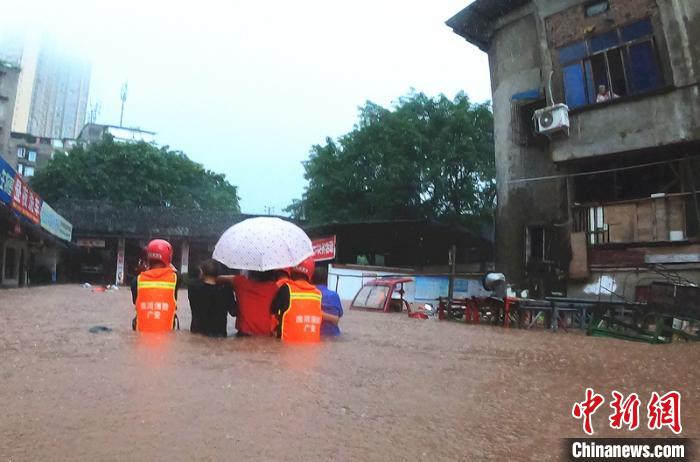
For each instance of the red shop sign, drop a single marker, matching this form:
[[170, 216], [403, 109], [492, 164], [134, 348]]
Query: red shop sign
[[324, 248], [26, 201]]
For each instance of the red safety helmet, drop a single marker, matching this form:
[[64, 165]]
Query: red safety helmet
[[305, 268], [160, 250]]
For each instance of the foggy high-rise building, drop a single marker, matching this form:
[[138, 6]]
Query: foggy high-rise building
[[52, 92]]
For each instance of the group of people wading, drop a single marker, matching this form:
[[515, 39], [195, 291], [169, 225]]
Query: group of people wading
[[292, 304]]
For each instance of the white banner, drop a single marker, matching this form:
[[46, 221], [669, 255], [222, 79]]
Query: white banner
[[120, 262], [55, 223]]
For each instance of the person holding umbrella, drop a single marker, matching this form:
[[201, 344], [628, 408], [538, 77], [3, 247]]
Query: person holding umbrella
[[261, 246], [254, 294]]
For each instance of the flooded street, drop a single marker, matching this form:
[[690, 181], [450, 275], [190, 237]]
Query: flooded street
[[392, 388]]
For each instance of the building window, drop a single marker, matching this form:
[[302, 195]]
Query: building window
[[31, 156], [595, 8], [21, 152], [522, 126], [28, 171], [618, 63], [591, 220]]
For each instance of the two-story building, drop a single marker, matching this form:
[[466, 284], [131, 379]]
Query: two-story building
[[93, 133], [30, 153], [611, 203]]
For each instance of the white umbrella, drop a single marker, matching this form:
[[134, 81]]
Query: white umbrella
[[262, 244]]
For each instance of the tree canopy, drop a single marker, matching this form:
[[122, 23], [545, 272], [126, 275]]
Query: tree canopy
[[134, 173], [428, 158]]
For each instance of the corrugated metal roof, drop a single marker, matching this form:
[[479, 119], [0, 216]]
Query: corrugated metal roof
[[400, 224], [104, 218], [474, 22]]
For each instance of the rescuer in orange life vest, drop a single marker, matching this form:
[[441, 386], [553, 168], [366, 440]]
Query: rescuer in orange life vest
[[154, 291], [296, 308]]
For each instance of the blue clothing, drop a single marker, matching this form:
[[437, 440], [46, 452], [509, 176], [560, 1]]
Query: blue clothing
[[330, 303]]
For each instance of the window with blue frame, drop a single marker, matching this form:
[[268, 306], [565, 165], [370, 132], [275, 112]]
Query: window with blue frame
[[618, 63]]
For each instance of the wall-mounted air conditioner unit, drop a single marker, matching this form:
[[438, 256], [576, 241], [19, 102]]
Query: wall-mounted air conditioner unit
[[552, 119]]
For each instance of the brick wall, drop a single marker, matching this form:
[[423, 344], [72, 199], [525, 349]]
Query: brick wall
[[572, 25]]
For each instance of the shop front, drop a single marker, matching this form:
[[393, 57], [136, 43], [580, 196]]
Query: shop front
[[33, 237]]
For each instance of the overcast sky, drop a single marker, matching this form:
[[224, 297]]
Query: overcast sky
[[247, 88]]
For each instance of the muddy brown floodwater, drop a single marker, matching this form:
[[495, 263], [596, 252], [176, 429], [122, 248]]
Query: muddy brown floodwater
[[392, 388]]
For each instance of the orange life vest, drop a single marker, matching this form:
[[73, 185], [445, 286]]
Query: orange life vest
[[155, 300], [301, 322]]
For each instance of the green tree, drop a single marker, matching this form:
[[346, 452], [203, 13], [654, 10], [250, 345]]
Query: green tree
[[135, 173], [430, 158]]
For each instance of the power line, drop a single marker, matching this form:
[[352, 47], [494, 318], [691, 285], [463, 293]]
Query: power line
[[554, 177]]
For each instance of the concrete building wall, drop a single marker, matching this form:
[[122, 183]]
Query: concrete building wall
[[681, 25], [516, 63], [668, 117], [522, 41], [568, 23], [8, 90]]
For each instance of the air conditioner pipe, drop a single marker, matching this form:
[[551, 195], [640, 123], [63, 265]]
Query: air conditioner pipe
[[550, 98]]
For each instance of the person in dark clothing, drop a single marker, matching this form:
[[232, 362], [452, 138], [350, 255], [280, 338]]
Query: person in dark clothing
[[210, 302]]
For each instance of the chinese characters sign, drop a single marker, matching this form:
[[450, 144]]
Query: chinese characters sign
[[55, 224], [15, 192], [324, 248], [26, 201], [153, 309], [661, 411], [311, 323], [7, 182]]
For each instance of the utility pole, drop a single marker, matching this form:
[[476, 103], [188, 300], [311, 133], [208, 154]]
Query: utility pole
[[452, 257], [94, 112], [125, 89]]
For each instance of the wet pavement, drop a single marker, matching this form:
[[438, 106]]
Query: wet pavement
[[392, 388]]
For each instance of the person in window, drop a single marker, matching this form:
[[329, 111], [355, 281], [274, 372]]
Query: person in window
[[210, 302], [604, 94]]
